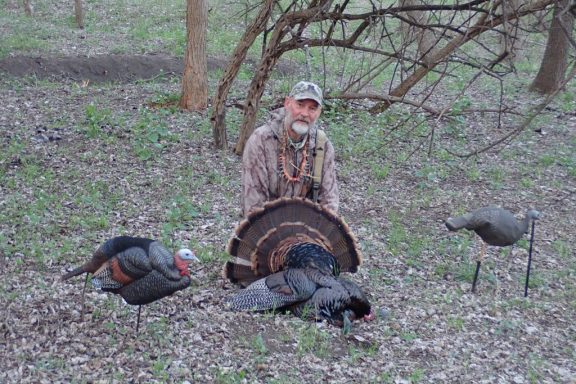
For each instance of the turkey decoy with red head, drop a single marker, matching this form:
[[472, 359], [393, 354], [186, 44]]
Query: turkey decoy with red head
[[140, 270], [495, 226]]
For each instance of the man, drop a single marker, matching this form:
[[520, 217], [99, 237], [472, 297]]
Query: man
[[279, 157]]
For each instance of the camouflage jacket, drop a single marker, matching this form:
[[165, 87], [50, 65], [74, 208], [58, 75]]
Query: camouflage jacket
[[262, 173]]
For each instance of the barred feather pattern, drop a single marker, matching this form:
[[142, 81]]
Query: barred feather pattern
[[331, 303], [259, 297], [104, 280], [308, 293], [134, 262], [152, 287], [163, 261], [280, 290]]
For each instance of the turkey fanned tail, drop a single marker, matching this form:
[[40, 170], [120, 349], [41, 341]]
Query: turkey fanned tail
[[288, 255], [264, 238]]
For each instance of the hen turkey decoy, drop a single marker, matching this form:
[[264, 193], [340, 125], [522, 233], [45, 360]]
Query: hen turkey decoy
[[138, 269], [495, 226], [289, 255]]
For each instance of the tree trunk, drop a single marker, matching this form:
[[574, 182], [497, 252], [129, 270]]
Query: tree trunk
[[253, 98], [424, 37], [268, 61], [195, 77], [511, 40], [555, 60], [79, 12], [27, 7], [219, 111]]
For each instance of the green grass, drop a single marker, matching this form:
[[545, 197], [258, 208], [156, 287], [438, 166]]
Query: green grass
[[259, 345], [97, 119], [134, 168], [408, 336], [547, 160], [313, 340], [19, 43], [563, 249], [465, 272], [149, 26], [456, 323], [496, 177], [229, 376], [397, 236], [417, 375]]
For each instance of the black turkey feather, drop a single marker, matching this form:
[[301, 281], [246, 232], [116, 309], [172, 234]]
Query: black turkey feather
[[289, 255]]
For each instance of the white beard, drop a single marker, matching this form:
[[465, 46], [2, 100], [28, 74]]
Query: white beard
[[300, 128]]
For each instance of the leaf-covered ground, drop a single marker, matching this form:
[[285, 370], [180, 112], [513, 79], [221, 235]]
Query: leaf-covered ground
[[83, 161], [74, 175]]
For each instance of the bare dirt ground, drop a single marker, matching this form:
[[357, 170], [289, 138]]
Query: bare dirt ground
[[430, 328], [105, 68], [98, 69]]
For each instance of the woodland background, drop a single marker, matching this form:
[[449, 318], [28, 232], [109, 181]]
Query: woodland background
[[94, 143]]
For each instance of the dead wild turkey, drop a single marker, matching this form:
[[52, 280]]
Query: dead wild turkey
[[288, 254], [138, 269], [495, 226]]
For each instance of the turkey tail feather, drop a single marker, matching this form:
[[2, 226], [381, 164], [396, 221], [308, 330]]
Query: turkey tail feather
[[105, 252], [238, 273], [75, 272], [262, 238]]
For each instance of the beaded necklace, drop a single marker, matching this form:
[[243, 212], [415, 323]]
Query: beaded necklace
[[302, 170]]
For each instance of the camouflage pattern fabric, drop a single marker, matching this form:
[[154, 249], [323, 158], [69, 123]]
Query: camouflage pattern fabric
[[262, 179], [307, 90]]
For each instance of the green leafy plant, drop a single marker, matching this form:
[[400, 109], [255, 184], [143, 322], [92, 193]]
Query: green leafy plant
[[150, 135], [226, 376], [259, 345], [96, 120], [417, 375], [313, 340]]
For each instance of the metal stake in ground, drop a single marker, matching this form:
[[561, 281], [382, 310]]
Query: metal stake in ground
[[138, 320], [495, 226], [529, 259]]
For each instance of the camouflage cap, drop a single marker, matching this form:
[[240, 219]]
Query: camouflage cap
[[306, 90]]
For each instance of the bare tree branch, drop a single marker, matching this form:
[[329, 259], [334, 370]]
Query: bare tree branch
[[535, 112]]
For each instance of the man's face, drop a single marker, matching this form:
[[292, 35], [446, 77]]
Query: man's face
[[300, 115]]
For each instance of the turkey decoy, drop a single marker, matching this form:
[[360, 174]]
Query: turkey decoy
[[495, 226], [289, 254], [138, 269]]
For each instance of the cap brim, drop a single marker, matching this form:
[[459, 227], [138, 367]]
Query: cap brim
[[307, 97]]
